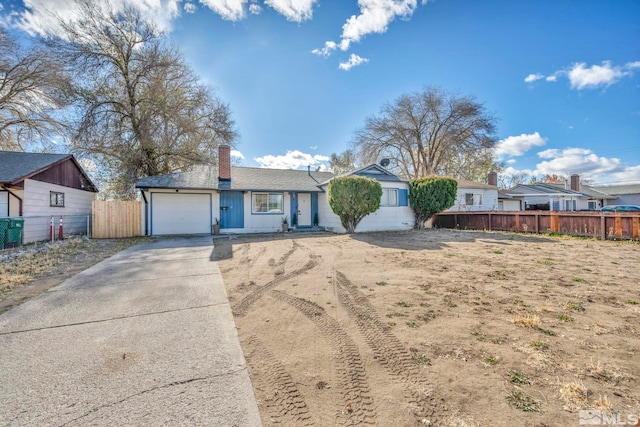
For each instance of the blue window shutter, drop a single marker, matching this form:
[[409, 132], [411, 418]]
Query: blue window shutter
[[403, 197]]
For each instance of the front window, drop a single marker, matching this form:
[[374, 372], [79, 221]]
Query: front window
[[56, 199], [471, 199], [389, 197], [268, 203]]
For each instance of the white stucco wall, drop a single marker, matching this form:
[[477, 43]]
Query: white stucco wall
[[386, 218], [37, 211]]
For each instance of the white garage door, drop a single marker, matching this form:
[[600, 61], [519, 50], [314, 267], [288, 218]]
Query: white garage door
[[180, 213]]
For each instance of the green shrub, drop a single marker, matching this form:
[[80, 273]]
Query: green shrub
[[352, 198], [430, 195]]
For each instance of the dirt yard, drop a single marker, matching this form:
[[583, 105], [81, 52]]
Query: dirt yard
[[442, 328]]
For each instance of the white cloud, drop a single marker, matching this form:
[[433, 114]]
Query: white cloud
[[354, 61], [567, 161], [533, 77], [375, 17], [518, 145], [292, 160], [190, 7], [314, 147], [577, 160], [237, 154], [582, 77], [255, 9], [293, 10], [39, 16], [231, 10]]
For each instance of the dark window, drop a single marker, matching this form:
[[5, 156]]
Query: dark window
[[56, 199]]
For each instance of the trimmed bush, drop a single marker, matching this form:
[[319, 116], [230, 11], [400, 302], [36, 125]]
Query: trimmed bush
[[352, 198], [430, 195]]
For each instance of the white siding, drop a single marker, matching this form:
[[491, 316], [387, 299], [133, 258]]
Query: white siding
[[4, 203], [37, 210], [386, 218], [489, 200]]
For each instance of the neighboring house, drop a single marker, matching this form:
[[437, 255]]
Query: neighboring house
[[557, 197], [618, 194], [474, 196], [255, 200], [36, 186]]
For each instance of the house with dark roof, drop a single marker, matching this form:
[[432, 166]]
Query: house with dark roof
[[35, 186], [256, 200], [569, 196]]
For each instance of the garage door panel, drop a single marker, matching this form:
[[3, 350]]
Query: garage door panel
[[180, 213]]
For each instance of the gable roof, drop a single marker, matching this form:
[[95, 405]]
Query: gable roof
[[617, 189], [18, 166], [543, 189], [465, 183], [205, 177]]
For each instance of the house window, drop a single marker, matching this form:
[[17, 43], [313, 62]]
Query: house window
[[389, 197], [56, 199], [267, 203], [592, 206], [471, 199]]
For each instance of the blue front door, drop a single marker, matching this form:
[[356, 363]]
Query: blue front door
[[231, 209]]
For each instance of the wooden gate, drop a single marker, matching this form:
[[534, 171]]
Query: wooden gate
[[116, 218]]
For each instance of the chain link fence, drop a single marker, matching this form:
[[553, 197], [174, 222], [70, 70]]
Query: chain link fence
[[17, 231]]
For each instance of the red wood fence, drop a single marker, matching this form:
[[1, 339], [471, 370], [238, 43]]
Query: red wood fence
[[603, 225]]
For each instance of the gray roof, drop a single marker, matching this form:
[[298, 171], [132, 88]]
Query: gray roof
[[205, 177], [617, 189], [15, 166], [543, 188]]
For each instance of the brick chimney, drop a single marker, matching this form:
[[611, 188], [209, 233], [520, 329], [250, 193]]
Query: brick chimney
[[492, 179], [575, 182], [224, 162]]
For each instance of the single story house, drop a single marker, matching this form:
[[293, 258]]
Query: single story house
[[557, 197], [255, 200], [628, 194], [36, 186], [475, 196]]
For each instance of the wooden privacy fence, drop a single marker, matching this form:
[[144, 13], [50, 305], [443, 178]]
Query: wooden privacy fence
[[116, 218], [609, 225]]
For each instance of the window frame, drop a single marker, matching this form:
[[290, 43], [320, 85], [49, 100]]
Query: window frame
[[268, 211], [475, 197], [385, 197], [54, 199]]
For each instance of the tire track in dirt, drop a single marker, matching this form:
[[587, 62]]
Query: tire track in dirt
[[357, 406], [243, 305], [284, 403], [386, 347]]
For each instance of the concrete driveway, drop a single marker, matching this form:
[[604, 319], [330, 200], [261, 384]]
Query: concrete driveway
[[144, 338]]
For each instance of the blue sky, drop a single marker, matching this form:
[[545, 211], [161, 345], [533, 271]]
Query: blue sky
[[562, 77]]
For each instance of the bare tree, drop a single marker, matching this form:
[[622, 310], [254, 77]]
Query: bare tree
[[429, 132], [33, 89], [511, 179], [143, 111], [343, 162]]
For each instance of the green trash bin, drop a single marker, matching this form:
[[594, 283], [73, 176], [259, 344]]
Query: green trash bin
[[14, 232], [4, 226]]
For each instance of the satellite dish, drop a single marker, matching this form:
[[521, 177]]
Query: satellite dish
[[384, 163]]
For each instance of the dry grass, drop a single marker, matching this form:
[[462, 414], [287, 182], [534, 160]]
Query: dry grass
[[528, 321], [69, 255], [574, 395]]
